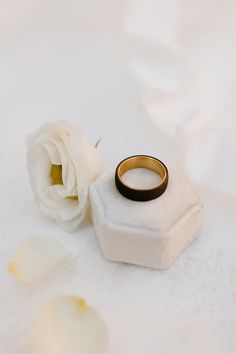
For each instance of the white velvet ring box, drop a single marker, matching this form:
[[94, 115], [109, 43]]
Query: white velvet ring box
[[152, 233]]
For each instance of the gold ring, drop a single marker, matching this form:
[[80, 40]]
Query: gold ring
[[141, 161]]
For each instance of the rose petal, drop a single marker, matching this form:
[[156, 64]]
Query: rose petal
[[67, 325], [35, 257]]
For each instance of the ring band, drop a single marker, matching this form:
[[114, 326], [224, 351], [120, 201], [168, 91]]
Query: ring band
[[141, 161]]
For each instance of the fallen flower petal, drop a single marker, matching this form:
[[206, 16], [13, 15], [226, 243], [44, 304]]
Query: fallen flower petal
[[35, 257], [67, 325]]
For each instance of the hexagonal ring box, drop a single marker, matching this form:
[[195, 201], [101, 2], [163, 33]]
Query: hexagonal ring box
[[152, 233]]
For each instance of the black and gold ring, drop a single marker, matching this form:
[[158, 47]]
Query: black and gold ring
[[141, 161]]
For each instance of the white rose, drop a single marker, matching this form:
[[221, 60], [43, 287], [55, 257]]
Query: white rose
[[62, 164]]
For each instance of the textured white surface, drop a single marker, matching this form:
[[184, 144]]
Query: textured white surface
[[71, 59], [150, 233]]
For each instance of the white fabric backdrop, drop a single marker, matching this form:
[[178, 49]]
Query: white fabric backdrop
[[146, 76]]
